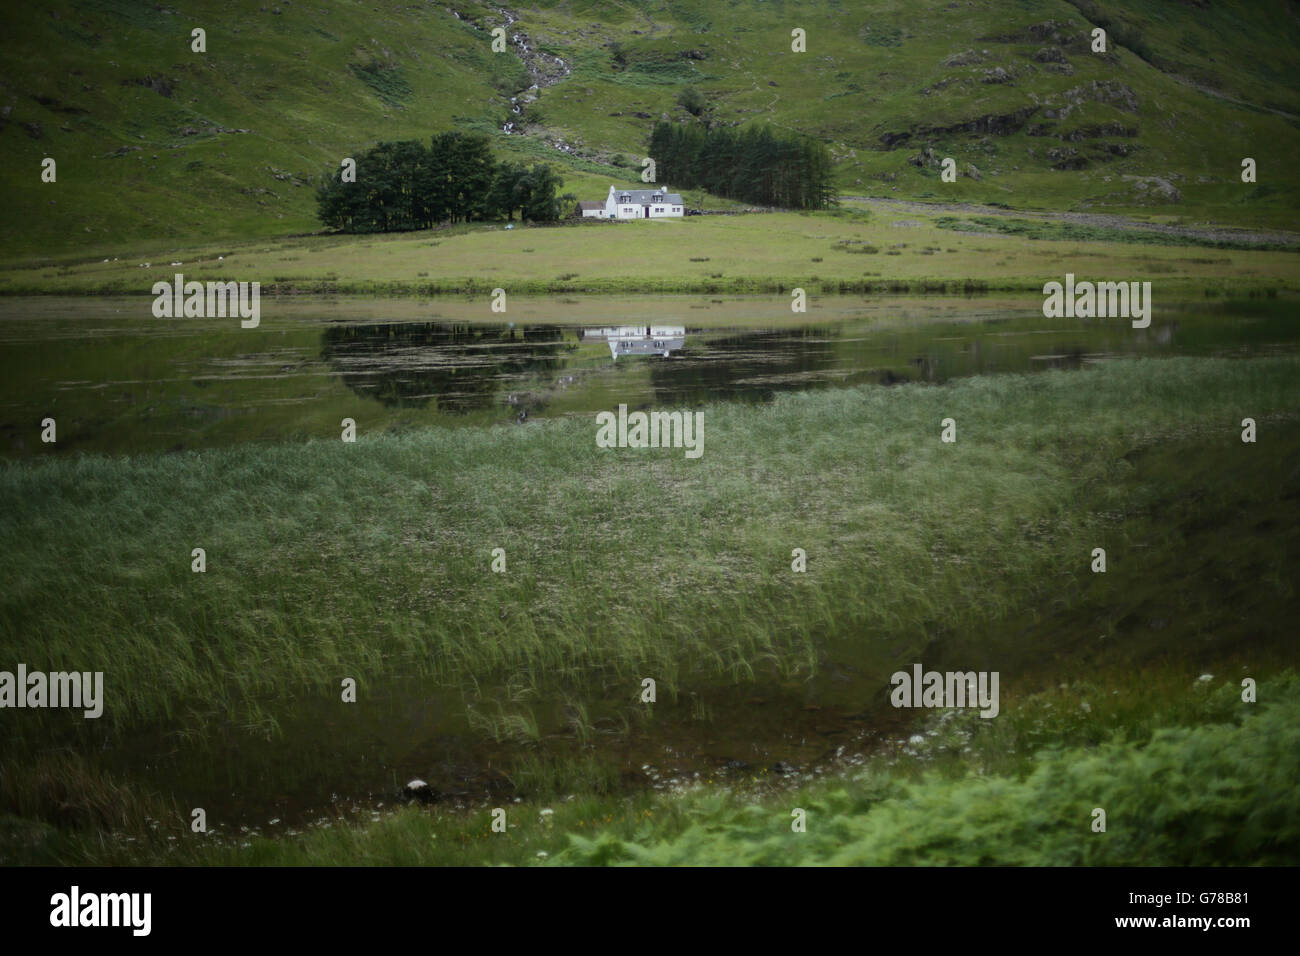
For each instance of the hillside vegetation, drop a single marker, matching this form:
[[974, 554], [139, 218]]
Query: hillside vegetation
[[154, 141]]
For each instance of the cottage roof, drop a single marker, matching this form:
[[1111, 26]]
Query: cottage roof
[[647, 197]]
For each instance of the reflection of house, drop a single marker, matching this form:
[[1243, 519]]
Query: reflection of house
[[639, 339], [656, 203]]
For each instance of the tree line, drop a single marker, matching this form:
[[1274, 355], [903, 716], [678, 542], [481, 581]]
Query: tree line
[[752, 165], [407, 185]]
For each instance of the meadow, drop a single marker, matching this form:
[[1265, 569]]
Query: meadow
[[855, 248]]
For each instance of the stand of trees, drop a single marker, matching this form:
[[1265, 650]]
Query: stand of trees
[[753, 165], [406, 185]]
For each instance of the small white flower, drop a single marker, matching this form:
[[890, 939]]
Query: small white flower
[[1204, 678]]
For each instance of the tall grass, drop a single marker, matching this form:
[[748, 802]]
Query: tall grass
[[328, 560]]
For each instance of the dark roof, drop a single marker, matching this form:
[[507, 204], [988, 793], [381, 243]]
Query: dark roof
[[585, 204], [645, 197]]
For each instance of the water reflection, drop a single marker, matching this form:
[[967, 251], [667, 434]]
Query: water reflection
[[125, 386], [639, 339], [461, 366], [750, 365]]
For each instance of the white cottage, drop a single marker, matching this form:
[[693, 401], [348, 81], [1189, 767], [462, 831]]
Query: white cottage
[[655, 203]]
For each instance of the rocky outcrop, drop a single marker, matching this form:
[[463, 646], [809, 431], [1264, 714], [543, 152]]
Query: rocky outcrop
[[1111, 92], [159, 84], [995, 124], [1049, 31], [1154, 189], [966, 58]]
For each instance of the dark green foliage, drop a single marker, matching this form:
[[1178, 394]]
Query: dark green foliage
[[530, 191], [402, 186], [389, 82], [691, 100], [1210, 795], [754, 165]]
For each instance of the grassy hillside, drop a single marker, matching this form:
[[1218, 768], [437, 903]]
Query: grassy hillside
[[155, 141]]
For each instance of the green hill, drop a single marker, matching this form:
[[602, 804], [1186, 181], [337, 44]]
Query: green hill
[[154, 141]]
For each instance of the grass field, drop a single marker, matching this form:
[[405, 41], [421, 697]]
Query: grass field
[[624, 564], [855, 249]]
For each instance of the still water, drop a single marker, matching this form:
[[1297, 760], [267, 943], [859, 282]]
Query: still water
[[119, 381]]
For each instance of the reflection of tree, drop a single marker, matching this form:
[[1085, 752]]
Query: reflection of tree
[[406, 364], [779, 359]]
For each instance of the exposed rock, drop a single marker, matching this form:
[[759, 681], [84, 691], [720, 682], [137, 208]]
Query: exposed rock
[[996, 75], [1097, 130], [944, 84], [1066, 157], [419, 791], [1054, 31], [1049, 54], [159, 84], [972, 172], [926, 158], [1111, 92], [1155, 189], [965, 58], [1117, 149], [1049, 31], [995, 124]]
